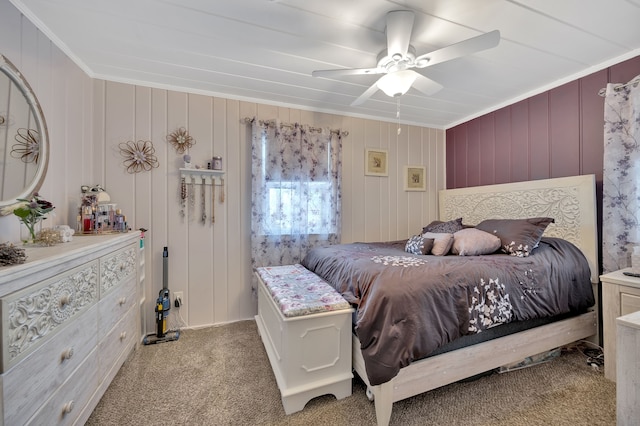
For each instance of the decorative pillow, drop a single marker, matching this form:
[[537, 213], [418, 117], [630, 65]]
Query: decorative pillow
[[517, 236], [419, 245], [441, 242], [439, 226], [474, 242]]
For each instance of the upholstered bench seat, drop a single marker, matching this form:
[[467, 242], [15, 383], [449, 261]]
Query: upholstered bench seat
[[305, 326], [298, 291]]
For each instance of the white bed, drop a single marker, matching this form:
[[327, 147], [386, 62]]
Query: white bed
[[571, 202]]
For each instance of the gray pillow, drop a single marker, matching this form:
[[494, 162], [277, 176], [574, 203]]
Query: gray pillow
[[419, 245], [449, 227], [518, 236]]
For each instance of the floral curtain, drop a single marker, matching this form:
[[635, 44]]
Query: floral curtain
[[621, 174], [296, 197]]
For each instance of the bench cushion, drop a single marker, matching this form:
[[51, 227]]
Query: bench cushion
[[298, 291]]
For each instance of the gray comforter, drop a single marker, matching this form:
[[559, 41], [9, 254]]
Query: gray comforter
[[409, 305]]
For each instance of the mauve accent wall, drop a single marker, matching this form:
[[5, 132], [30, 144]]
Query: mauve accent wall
[[554, 134]]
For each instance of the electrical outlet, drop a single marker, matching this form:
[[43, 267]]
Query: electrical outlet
[[178, 299]]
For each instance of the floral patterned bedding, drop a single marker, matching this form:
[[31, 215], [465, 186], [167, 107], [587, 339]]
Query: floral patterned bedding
[[410, 305], [297, 291]]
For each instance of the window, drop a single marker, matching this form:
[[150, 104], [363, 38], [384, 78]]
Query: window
[[303, 199]]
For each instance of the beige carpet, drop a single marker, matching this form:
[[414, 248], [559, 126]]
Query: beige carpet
[[221, 376]]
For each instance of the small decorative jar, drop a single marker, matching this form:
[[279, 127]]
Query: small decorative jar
[[216, 163]]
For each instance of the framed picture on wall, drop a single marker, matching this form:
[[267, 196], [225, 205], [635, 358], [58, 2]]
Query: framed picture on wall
[[375, 162], [415, 178]]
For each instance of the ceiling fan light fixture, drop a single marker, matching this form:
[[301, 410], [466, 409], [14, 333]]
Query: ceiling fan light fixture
[[396, 83]]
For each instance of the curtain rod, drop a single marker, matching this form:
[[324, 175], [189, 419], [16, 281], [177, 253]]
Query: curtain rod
[[291, 126], [617, 87]]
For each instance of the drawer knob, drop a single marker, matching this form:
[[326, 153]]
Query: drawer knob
[[68, 407], [122, 301], [67, 354], [123, 335]]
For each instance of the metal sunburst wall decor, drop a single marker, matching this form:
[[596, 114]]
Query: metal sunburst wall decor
[[181, 140], [28, 147], [139, 156]]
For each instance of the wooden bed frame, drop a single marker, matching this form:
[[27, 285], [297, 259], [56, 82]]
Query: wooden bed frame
[[571, 202]]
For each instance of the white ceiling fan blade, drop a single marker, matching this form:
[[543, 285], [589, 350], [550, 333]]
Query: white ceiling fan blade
[[463, 48], [346, 71], [426, 85], [366, 95], [399, 28]]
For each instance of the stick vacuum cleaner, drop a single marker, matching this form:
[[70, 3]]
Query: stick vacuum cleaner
[[163, 305]]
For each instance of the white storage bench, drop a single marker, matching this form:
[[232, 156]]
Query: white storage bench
[[305, 326]]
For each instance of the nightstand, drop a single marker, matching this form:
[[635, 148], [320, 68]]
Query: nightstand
[[620, 296]]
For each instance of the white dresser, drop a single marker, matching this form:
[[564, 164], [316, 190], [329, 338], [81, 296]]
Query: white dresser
[[620, 296], [70, 318], [628, 372]]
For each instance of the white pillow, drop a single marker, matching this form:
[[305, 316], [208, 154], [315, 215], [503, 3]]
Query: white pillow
[[474, 242]]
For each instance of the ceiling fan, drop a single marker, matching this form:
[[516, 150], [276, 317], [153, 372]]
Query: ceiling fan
[[398, 60]]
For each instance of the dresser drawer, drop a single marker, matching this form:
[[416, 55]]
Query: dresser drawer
[[37, 376], [120, 338], [31, 316], [117, 267], [114, 306], [629, 303], [66, 404]]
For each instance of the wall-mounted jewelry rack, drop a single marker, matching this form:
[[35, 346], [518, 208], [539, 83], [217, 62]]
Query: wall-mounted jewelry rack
[[203, 177], [215, 177]]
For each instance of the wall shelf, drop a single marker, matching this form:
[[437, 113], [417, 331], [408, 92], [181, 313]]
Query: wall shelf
[[198, 175]]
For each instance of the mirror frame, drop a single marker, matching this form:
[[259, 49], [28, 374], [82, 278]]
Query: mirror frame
[[7, 67]]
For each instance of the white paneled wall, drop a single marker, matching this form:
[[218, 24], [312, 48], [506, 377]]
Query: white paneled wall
[[65, 93], [209, 263]]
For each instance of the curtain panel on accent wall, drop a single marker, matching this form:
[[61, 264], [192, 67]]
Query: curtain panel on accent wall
[[621, 175], [296, 196]]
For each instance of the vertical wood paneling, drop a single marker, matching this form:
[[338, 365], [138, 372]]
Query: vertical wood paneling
[[591, 106], [502, 119], [474, 153], [158, 236], [347, 203], [178, 235], [564, 116], [201, 260], [373, 185], [398, 158], [520, 142], [220, 234], [461, 157], [450, 155], [539, 133], [357, 220], [486, 144]]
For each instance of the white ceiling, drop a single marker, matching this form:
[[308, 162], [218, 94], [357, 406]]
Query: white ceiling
[[265, 50]]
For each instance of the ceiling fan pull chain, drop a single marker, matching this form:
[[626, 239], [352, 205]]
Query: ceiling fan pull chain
[[398, 114]]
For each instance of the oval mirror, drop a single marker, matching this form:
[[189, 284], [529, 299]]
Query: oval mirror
[[24, 140]]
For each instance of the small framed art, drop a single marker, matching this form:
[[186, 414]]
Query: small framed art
[[415, 178], [375, 162]]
